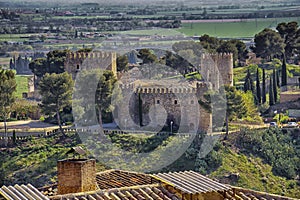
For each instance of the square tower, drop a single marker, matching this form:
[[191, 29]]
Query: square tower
[[76, 175]]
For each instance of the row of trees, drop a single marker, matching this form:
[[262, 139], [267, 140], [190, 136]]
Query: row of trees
[[277, 79]]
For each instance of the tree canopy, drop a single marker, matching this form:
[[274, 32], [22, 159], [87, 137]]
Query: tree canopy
[[290, 33], [54, 63], [8, 87], [268, 44], [56, 92]]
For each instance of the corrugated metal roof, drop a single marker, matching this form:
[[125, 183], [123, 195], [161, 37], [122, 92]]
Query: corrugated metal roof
[[154, 192], [191, 182], [22, 192], [119, 178]]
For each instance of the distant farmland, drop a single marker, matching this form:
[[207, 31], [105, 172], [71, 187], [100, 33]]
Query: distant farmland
[[241, 28]]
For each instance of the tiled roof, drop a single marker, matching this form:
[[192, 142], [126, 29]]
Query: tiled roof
[[22, 192], [146, 192], [191, 182], [119, 178]]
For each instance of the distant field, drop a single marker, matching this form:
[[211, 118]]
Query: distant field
[[240, 29], [22, 85], [154, 31]]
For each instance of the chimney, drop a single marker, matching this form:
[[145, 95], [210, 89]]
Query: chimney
[[76, 175]]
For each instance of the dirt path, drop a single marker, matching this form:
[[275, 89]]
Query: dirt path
[[28, 124]]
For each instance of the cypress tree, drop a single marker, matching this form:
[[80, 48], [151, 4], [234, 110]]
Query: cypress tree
[[140, 110], [283, 72], [248, 85], [11, 64], [275, 86], [271, 94], [277, 78], [258, 91], [264, 98]]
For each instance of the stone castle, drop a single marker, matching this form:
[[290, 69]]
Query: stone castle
[[177, 101]]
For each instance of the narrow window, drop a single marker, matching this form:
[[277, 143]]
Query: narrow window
[[157, 101], [175, 102]]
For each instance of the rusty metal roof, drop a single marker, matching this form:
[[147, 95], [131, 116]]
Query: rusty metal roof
[[22, 192], [191, 182]]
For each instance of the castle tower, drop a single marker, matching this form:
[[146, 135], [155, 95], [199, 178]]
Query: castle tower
[[75, 62], [76, 175], [217, 69]]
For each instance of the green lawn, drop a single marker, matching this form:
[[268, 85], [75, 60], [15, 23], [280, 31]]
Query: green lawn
[[22, 85], [241, 29]]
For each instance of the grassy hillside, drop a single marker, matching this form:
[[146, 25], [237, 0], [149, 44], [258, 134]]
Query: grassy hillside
[[265, 160], [34, 161]]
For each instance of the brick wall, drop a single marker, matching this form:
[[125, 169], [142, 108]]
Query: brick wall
[[76, 175]]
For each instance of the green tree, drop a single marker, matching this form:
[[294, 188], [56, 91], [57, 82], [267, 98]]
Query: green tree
[[147, 56], [290, 33], [271, 92], [21, 108], [122, 63], [249, 84], [228, 47], [209, 43], [235, 104], [8, 87], [258, 90], [104, 94], [54, 63], [275, 86], [264, 96], [283, 72], [56, 92], [94, 92], [268, 44]]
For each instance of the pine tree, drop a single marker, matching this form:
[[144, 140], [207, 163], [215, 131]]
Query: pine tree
[[264, 98], [258, 90], [271, 92], [275, 86], [283, 72]]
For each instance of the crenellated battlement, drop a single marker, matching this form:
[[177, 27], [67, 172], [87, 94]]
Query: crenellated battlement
[[77, 61], [165, 90], [217, 55], [87, 55]]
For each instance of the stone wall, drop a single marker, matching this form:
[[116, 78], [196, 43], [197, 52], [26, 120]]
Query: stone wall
[[289, 96], [93, 60], [160, 106], [76, 175]]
